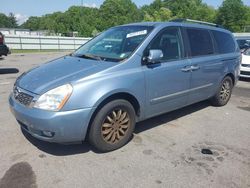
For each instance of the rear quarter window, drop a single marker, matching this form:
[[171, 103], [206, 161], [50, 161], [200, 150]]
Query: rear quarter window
[[224, 42], [200, 42]]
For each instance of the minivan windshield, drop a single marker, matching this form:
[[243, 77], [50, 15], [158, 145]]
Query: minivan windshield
[[247, 52], [115, 44], [243, 42]]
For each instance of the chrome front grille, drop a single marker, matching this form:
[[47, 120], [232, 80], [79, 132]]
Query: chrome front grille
[[22, 97]]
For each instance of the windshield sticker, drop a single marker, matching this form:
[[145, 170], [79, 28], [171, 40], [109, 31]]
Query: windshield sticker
[[138, 33]]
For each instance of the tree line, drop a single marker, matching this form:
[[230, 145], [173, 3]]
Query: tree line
[[8, 21], [88, 21]]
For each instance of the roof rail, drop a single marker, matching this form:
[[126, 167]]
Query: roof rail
[[196, 21]]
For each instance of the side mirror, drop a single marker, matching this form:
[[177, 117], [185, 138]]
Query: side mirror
[[154, 56]]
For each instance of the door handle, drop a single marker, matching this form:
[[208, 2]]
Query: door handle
[[186, 69], [194, 67]]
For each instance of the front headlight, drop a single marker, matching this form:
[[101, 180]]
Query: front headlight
[[54, 99]]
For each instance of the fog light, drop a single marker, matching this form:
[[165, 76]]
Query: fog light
[[48, 133]]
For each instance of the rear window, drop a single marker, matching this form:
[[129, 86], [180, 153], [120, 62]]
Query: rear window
[[200, 42], [224, 41]]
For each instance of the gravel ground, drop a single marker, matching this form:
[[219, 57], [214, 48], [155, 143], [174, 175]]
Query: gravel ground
[[166, 151]]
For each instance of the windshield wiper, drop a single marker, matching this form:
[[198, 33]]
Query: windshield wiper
[[89, 56]]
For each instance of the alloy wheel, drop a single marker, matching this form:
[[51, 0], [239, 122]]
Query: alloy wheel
[[115, 126], [225, 90]]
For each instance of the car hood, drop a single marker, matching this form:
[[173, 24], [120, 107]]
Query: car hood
[[58, 72], [245, 59]]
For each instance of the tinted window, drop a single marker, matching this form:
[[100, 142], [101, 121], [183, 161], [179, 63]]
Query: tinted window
[[224, 41], [169, 41], [200, 42]]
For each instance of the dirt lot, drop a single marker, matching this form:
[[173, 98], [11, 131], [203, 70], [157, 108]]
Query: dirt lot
[[164, 152]]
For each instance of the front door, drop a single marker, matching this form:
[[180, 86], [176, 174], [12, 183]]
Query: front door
[[167, 82]]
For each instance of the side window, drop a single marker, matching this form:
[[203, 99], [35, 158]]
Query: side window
[[169, 41], [224, 41], [200, 42]]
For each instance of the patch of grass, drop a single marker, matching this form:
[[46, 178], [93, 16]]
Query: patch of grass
[[37, 51]]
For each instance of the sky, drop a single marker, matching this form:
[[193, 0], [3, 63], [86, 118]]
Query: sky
[[25, 8]]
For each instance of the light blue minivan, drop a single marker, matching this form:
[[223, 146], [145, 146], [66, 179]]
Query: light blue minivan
[[125, 75]]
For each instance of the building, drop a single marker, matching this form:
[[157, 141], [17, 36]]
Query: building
[[23, 32]]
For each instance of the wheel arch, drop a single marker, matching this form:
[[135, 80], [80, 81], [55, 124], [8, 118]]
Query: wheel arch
[[231, 75]]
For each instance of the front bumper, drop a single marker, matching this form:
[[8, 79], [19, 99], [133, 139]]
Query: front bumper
[[66, 126], [245, 72]]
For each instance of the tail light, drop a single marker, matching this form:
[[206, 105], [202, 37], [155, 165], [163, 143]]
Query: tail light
[[1, 39]]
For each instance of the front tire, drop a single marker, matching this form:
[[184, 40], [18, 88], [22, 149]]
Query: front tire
[[112, 126], [223, 95]]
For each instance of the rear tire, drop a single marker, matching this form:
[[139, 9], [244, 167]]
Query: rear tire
[[223, 95], [112, 126]]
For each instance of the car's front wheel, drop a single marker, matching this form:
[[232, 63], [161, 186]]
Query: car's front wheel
[[112, 126], [223, 95]]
